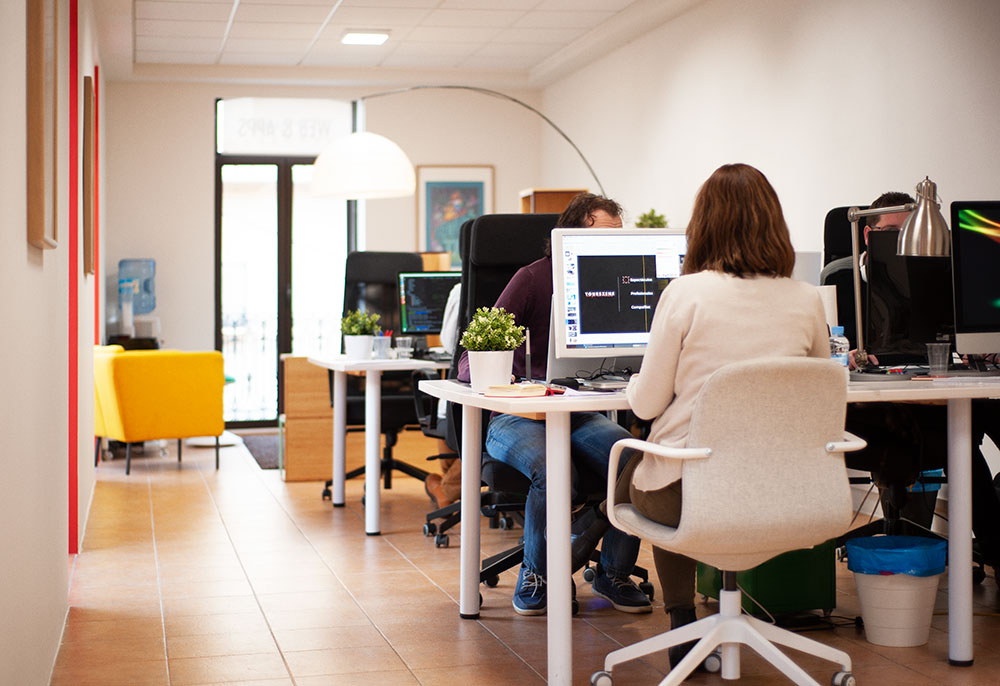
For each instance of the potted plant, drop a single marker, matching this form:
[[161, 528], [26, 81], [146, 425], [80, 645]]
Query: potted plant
[[491, 338], [651, 220], [359, 329]]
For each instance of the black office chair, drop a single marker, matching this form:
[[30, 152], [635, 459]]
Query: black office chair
[[838, 269], [371, 285]]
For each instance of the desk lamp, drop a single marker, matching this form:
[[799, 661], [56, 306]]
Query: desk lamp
[[924, 234]]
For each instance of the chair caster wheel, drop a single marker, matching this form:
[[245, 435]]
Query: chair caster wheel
[[589, 574], [492, 581], [430, 528], [601, 679], [327, 494], [713, 663], [441, 541], [647, 589], [505, 523], [978, 575], [844, 679]]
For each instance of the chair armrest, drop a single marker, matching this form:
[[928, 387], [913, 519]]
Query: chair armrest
[[645, 446], [848, 445]]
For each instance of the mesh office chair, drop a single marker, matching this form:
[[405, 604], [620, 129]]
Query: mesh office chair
[[492, 248], [753, 487], [371, 285]]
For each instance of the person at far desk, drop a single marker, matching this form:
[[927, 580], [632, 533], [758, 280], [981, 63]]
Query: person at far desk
[[905, 439], [734, 301], [446, 488], [520, 442]]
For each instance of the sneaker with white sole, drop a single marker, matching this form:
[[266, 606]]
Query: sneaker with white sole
[[622, 593], [530, 594]]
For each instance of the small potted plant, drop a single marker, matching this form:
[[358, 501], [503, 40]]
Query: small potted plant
[[491, 338], [359, 329], [651, 220]]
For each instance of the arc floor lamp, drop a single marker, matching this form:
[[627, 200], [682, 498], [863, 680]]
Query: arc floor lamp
[[365, 165]]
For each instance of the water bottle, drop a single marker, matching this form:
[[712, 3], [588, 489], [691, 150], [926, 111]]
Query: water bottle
[[840, 347]]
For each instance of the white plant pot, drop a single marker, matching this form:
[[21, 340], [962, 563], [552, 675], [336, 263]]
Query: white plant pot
[[358, 347], [490, 368]]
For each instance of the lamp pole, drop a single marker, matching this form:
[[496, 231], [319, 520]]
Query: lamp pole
[[493, 94]]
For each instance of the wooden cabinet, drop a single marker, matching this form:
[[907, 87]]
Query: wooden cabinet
[[548, 199], [308, 430]]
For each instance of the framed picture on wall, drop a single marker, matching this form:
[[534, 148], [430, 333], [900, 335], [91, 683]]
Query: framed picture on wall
[[42, 81], [447, 197]]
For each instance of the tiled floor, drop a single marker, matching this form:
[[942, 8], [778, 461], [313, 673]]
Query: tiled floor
[[192, 576]]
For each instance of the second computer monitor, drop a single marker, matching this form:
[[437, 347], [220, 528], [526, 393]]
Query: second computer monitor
[[606, 284], [909, 302], [422, 299]]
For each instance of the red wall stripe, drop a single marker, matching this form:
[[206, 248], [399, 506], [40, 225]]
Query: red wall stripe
[[97, 207], [74, 266]]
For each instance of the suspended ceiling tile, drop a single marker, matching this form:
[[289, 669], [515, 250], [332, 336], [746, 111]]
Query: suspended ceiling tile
[[472, 18], [267, 46], [246, 29], [165, 44], [562, 20], [555, 37], [191, 11], [378, 17], [429, 34], [314, 14], [285, 59], [179, 29], [173, 57]]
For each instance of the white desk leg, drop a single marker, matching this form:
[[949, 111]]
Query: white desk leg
[[373, 453], [339, 436], [558, 549], [472, 428], [960, 531]]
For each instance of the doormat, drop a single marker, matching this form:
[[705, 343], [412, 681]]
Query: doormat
[[264, 448]]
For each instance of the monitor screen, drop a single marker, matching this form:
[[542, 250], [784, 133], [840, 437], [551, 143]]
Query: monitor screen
[[975, 239], [909, 302], [422, 297], [606, 283]]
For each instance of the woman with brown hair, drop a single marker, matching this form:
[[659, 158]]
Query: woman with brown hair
[[734, 301]]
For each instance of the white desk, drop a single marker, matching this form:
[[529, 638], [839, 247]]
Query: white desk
[[372, 369], [958, 393]]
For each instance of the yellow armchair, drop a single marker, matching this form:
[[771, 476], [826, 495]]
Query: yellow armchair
[[143, 395]]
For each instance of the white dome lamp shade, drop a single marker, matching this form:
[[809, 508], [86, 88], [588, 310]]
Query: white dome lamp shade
[[362, 166]]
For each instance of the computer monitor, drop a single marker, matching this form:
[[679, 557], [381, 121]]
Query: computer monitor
[[606, 283], [909, 302], [422, 298], [975, 257]]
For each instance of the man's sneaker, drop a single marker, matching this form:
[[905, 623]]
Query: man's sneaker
[[530, 594], [622, 593]]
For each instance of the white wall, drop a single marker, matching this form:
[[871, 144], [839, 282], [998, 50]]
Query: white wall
[[832, 113], [33, 404], [160, 178]]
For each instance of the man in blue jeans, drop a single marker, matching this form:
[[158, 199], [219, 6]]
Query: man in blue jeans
[[520, 442]]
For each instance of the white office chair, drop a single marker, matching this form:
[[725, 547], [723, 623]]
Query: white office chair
[[763, 474]]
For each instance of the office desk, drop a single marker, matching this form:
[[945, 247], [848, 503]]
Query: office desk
[[557, 500], [372, 369], [556, 409]]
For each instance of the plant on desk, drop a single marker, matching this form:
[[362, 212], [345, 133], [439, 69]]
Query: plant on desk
[[359, 329], [491, 338], [651, 220]]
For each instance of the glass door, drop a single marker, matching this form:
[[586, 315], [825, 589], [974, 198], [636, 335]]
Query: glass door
[[280, 277]]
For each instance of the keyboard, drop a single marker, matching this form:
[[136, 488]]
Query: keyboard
[[435, 356]]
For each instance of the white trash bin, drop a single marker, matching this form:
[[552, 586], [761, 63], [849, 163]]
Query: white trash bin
[[897, 581]]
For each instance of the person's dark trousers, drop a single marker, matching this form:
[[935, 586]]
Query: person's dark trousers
[[905, 439]]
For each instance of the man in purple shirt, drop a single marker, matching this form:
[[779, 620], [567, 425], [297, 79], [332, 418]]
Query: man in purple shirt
[[520, 442]]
